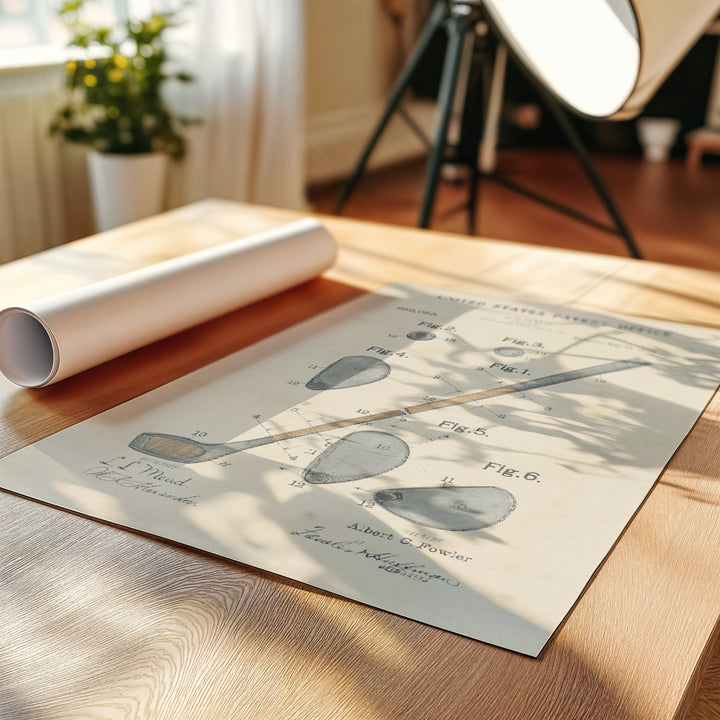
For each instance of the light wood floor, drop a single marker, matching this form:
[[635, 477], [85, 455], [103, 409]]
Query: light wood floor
[[673, 214]]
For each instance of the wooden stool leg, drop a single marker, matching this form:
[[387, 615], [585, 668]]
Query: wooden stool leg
[[694, 156]]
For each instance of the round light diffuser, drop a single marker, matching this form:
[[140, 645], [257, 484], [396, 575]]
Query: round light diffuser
[[602, 58]]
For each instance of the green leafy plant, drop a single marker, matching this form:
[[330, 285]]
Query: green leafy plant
[[114, 86]]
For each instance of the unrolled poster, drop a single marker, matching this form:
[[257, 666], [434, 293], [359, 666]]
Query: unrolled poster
[[463, 461]]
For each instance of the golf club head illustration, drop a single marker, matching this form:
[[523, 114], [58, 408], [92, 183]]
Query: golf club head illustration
[[361, 454], [449, 508], [188, 450], [349, 371]]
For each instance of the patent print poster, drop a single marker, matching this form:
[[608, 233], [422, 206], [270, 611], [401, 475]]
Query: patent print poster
[[463, 461]]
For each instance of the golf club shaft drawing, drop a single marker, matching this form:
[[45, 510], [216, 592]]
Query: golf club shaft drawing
[[185, 450]]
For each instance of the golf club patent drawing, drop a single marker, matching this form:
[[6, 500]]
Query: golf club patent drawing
[[181, 449]]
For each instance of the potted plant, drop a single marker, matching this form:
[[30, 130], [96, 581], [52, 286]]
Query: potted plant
[[115, 106]]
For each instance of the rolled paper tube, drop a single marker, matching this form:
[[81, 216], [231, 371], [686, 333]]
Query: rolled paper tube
[[53, 338]]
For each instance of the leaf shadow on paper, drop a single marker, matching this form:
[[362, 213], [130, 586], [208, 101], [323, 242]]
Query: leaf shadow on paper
[[617, 439]]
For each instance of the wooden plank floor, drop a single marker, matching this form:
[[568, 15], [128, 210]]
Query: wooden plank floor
[[673, 213]]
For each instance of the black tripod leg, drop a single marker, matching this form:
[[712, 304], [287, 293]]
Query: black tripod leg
[[473, 192], [473, 129], [434, 21], [478, 96], [577, 145], [456, 28]]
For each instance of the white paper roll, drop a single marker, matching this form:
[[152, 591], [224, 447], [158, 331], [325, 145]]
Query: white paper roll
[[50, 339]]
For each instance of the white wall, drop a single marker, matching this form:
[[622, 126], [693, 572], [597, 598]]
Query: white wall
[[353, 55]]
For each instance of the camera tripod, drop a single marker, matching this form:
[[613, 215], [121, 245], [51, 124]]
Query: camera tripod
[[460, 19]]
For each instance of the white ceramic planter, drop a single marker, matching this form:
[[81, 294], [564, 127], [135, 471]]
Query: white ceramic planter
[[657, 136], [126, 187]]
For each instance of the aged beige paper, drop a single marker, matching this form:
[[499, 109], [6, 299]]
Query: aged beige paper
[[463, 461]]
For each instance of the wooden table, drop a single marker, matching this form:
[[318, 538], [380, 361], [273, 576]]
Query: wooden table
[[98, 622]]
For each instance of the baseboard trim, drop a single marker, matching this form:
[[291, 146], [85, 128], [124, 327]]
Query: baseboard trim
[[334, 140]]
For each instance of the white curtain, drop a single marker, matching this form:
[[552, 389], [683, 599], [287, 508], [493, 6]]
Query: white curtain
[[248, 60], [31, 190]]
